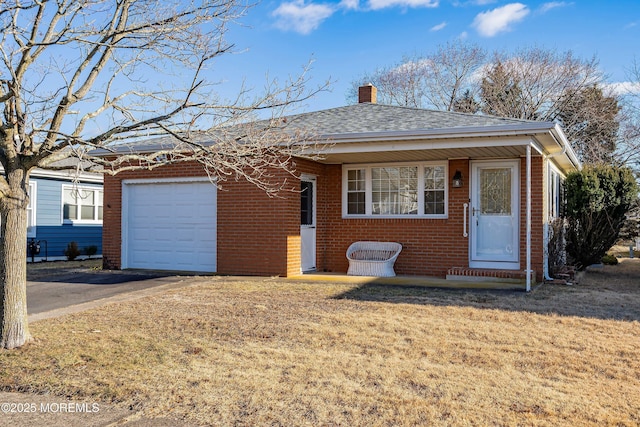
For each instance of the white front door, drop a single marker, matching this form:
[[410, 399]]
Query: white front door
[[308, 223], [495, 231]]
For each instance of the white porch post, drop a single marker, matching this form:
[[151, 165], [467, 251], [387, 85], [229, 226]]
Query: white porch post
[[528, 271]]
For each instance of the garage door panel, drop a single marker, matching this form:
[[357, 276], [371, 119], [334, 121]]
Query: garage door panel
[[171, 226]]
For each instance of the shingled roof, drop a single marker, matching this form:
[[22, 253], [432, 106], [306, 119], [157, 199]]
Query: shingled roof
[[370, 123], [375, 118], [359, 119]]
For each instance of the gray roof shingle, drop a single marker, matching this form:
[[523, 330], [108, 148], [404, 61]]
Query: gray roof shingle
[[366, 117], [360, 119]]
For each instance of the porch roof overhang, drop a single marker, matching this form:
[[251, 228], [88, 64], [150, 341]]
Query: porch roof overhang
[[450, 143]]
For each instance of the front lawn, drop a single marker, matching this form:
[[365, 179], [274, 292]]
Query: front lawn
[[273, 352]]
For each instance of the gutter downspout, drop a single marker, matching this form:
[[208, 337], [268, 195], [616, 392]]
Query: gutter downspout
[[528, 271]]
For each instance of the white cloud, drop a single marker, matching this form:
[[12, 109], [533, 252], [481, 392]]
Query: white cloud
[[624, 88], [383, 4], [457, 3], [349, 4], [302, 17], [499, 19], [546, 7], [438, 27]]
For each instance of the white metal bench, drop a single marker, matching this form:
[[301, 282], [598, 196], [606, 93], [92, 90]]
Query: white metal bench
[[373, 258]]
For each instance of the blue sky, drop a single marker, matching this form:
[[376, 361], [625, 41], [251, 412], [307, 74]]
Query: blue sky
[[345, 39]]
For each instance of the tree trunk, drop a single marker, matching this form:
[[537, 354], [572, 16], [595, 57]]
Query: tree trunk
[[14, 330]]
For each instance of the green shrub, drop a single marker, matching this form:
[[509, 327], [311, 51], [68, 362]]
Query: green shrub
[[72, 252], [91, 250], [609, 259], [597, 200]]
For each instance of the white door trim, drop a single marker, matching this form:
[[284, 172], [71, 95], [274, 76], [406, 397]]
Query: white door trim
[[308, 231], [502, 260]]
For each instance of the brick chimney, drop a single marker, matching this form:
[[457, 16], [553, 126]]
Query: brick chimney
[[367, 93]]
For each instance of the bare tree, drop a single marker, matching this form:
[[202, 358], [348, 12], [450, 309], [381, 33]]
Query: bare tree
[[501, 93], [450, 73], [628, 147], [433, 81], [591, 122], [400, 84], [80, 77], [538, 83]]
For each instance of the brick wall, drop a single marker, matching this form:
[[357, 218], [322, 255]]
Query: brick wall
[[537, 215], [430, 246], [260, 235], [257, 234]]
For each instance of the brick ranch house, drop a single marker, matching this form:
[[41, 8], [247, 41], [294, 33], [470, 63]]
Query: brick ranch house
[[464, 195]]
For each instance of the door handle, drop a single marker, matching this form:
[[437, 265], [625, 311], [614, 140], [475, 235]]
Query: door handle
[[464, 226]]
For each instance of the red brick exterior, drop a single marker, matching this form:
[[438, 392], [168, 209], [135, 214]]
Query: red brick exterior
[[430, 246], [260, 235]]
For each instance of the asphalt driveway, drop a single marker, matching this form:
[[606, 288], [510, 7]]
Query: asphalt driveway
[[57, 291]]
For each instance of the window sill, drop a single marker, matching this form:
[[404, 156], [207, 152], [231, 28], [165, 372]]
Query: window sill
[[395, 216], [81, 222]]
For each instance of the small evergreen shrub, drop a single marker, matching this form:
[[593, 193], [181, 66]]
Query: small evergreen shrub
[[597, 200], [91, 250], [72, 252], [609, 259]]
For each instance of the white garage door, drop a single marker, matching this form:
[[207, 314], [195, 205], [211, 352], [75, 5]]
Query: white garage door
[[169, 226]]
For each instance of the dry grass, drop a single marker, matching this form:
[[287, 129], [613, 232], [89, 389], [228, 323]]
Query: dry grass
[[272, 352]]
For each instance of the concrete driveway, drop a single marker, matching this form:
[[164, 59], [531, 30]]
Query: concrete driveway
[[63, 291]]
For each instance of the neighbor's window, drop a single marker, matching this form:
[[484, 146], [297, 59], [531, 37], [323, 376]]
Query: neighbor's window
[[81, 204], [395, 190]]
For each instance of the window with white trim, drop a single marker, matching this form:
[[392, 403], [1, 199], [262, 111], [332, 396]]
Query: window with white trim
[[31, 211], [434, 190], [82, 204], [407, 190], [554, 194], [356, 191], [394, 190]]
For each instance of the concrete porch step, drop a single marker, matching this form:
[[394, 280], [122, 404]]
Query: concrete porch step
[[412, 281], [488, 275]]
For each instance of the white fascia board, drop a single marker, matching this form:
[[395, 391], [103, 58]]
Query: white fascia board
[[560, 136], [444, 133], [68, 175], [512, 135], [65, 175], [424, 144]]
